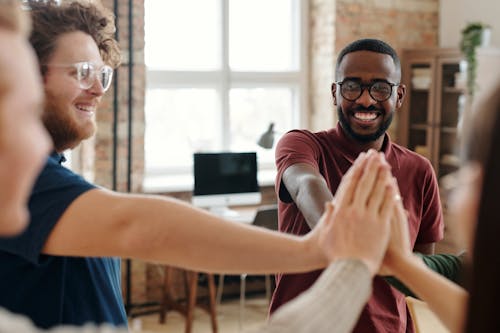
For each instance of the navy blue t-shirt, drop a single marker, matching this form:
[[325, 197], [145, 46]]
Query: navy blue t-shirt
[[54, 290]]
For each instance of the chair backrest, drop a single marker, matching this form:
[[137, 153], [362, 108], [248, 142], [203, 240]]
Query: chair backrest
[[424, 320], [267, 217]]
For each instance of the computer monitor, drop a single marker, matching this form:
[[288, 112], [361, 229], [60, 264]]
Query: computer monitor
[[225, 179]]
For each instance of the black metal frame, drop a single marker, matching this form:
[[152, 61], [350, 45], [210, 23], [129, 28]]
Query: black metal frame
[[129, 305]]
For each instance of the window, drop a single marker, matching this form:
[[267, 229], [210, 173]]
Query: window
[[218, 72]]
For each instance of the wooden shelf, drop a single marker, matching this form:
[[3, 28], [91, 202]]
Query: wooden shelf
[[419, 127], [453, 90], [450, 160], [420, 90], [432, 112], [449, 129]]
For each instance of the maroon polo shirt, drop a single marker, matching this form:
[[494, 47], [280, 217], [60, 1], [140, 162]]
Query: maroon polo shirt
[[332, 153]]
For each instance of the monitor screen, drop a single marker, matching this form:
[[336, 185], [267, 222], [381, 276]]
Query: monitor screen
[[225, 179]]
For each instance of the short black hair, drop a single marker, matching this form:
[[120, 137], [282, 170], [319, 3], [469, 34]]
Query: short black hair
[[369, 44]]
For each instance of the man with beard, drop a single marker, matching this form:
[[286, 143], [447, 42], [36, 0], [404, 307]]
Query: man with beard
[[60, 269], [367, 93]]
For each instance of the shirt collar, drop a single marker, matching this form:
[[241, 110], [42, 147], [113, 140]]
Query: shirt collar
[[58, 157], [351, 149]]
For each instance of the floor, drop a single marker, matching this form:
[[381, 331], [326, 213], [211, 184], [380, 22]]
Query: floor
[[254, 315]]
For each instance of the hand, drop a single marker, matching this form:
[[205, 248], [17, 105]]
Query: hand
[[356, 224], [399, 247]]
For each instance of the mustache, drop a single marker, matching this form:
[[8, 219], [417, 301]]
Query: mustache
[[371, 108]]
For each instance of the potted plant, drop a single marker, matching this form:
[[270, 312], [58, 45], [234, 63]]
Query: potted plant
[[473, 35]]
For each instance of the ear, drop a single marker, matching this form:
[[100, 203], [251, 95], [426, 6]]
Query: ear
[[401, 91], [334, 93]]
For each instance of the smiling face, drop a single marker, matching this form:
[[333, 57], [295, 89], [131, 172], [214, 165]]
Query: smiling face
[[69, 113], [24, 143], [365, 119]]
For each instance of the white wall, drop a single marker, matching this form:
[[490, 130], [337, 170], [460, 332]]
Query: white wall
[[455, 14]]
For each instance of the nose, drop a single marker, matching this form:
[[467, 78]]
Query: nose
[[365, 99], [96, 89]]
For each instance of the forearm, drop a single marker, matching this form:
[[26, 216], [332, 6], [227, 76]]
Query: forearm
[[169, 231], [446, 265], [332, 304], [446, 299], [311, 199]]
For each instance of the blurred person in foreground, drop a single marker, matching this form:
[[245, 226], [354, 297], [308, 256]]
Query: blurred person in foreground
[[472, 308]]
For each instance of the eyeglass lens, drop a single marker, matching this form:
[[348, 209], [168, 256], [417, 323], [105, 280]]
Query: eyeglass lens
[[379, 90], [86, 75]]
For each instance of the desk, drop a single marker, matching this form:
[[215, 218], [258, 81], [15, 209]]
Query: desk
[[266, 217], [243, 214]]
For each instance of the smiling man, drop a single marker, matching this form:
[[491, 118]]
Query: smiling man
[[367, 93], [65, 268]]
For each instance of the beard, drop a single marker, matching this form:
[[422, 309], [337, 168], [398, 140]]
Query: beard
[[364, 138], [63, 129]]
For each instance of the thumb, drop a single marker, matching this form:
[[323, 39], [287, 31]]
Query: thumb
[[328, 212]]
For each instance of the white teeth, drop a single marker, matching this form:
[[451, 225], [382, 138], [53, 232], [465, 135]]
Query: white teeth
[[85, 108], [366, 116]]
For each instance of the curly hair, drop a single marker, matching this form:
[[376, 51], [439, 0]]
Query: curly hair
[[51, 20]]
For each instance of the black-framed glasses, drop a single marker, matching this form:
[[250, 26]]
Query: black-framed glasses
[[86, 73], [380, 91]]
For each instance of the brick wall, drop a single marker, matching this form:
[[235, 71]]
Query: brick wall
[[102, 168], [321, 54]]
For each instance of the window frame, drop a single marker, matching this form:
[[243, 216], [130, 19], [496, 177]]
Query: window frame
[[222, 81]]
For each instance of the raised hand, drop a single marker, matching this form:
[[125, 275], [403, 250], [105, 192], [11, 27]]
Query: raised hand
[[399, 247], [357, 223]]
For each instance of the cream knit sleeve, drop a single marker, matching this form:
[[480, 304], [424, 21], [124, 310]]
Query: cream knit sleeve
[[333, 304]]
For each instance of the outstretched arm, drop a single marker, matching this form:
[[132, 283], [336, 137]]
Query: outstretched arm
[[446, 299], [308, 189], [354, 238], [446, 265], [162, 229]]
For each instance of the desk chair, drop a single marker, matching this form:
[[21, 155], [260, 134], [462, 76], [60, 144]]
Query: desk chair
[[266, 217]]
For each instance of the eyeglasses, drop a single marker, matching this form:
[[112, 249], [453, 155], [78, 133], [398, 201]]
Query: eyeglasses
[[86, 73], [380, 91]]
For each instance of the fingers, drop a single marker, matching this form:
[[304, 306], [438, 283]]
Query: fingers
[[367, 183], [381, 186], [391, 199], [328, 213], [350, 180], [369, 179], [400, 210]]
